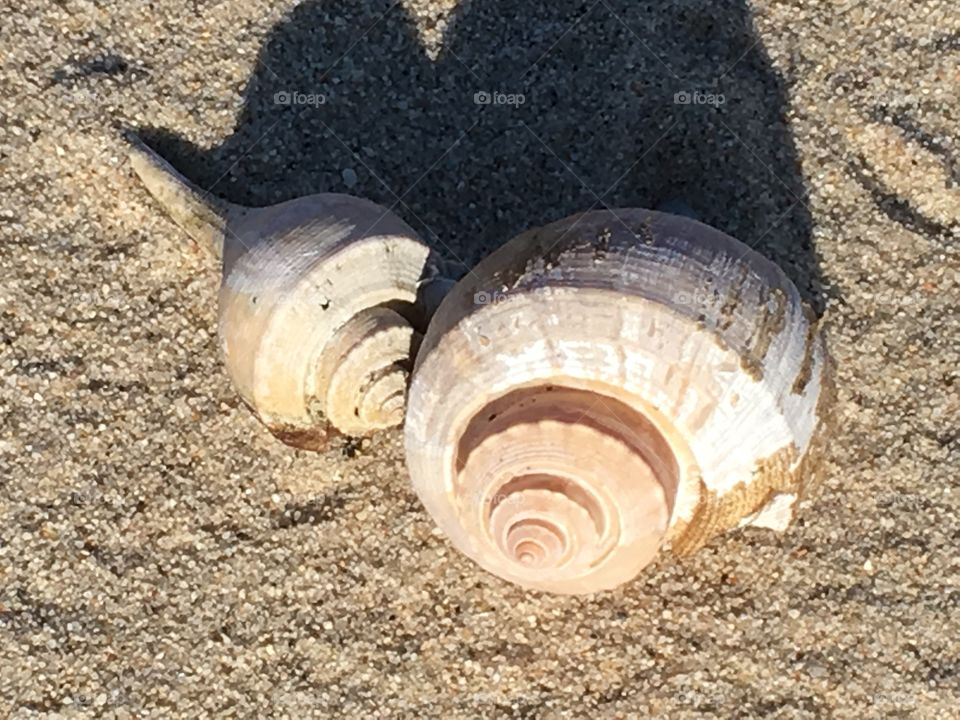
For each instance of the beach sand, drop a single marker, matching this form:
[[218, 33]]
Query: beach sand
[[161, 555]]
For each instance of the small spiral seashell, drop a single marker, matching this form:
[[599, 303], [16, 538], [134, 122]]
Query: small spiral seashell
[[610, 385], [319, 305]]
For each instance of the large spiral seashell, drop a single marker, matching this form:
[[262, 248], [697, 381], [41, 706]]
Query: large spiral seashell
[[610, 384], [318, 304]]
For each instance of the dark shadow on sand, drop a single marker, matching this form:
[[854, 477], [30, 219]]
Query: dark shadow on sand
[[625, 104]]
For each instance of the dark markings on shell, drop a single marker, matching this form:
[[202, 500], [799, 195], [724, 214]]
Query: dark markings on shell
[[749, 364], [812, 465], [771, 324], [315, 439], [554, 248], [372, 378], [806, 366], [715, 514], [645, 233], [728, 310], [545, 251], [602, 244]]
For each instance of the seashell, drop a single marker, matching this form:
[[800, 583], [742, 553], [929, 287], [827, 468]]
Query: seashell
[[611, 384], [319, 306]]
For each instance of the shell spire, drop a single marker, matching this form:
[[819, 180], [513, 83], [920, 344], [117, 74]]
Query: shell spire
[[203, 216]]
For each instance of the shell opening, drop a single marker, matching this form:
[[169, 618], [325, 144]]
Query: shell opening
[[566, 482]]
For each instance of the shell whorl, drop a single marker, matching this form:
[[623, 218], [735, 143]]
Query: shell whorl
[[319, 305], [315, 322], [608, 384], [558, 478], [364, 369]]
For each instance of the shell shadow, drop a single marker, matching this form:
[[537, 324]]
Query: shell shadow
[[530, 112]]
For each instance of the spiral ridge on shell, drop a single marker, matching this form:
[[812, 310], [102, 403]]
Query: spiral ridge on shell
[[609, 386]]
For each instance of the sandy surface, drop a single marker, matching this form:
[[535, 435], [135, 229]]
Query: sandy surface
[[161, 555]]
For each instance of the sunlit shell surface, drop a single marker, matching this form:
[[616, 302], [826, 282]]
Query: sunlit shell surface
[[317, 306], [609, 385]]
